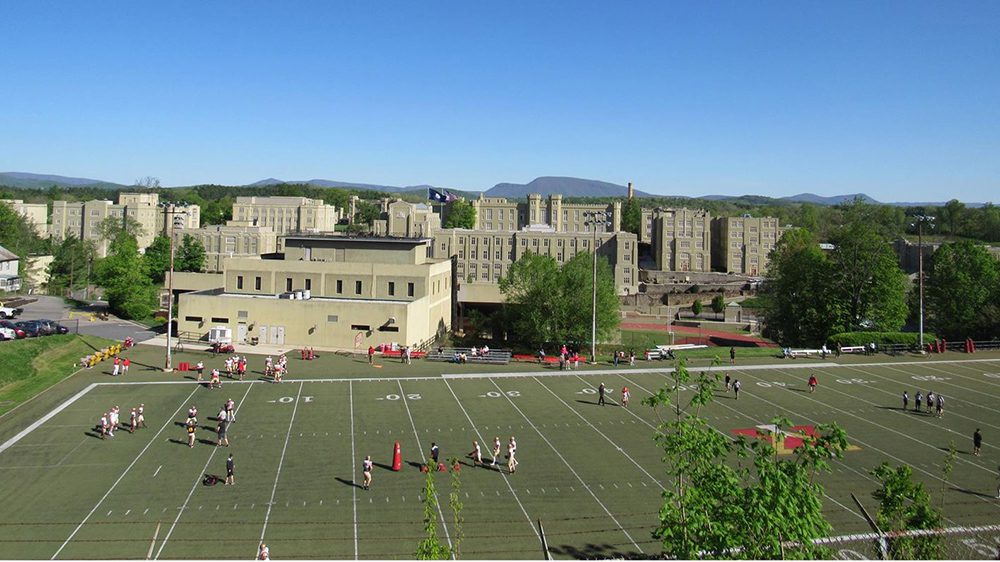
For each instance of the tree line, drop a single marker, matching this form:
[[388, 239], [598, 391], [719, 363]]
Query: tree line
[[811, 294]]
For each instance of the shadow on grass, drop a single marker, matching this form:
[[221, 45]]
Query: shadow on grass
[[92, 434], [179, 442], [793, 389], [587, 402], [971, 493], [959, 451], [347, 482], [382, 466], [592, 551]]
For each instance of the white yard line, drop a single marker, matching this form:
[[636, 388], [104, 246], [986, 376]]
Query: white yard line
[[606, 438], [197, 480], [416, 435], [978, 382], [354, 480], [51, 414], [569, 373], [10, 411], [505, 479], [281, 461], [570, 467], [169, 421]]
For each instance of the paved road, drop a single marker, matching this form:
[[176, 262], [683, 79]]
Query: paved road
[[55, 308]]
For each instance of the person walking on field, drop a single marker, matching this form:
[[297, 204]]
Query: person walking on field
[[126, 363], [916, 403], [476, 454], [191, 426], [230, 471], [812, 383], [930, 401], [371, 355], [736, 388], [977, 442], [732, 355], [511, 451], [729, 381], [496, 450], [625, 396], [600, 394], [906, 400], [940, 405], [366, 472]]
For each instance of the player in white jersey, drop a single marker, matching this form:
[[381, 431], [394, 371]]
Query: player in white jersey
[[476, 454], [511, 451], [496, 449], [141, 420]]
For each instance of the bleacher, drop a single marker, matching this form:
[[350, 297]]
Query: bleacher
[[494, 357]]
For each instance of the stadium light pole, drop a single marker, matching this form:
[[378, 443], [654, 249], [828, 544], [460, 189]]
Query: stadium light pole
[[175, 222], [919, 221], [595, 219]]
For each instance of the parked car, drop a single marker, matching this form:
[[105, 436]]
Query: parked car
[[30, 327], [17, 331], [7, 334], [7, 312], [50, 327], [45, 327]]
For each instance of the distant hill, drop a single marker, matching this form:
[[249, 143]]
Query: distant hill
[[569, 187], [834, 200], [41, 181]]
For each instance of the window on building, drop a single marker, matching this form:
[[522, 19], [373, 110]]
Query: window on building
[[361, 327], [392, 288], [239, 282], [309, 284], [256, 283], [220, 320], [409, 289], [192, 318], [486, 273], [498, 254], [288, 284], [357, 287], [340, 286]]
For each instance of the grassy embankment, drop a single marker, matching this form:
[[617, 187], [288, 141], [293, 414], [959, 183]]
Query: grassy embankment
[[32, 365]]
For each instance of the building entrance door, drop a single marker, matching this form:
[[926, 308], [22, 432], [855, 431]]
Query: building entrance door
[[241, 332], [279, 336], [262, 334]]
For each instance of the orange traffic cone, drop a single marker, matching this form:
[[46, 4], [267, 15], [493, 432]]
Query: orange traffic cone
[[397, 458]]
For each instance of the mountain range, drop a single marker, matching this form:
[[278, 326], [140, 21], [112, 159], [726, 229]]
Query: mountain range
[[545, 185]]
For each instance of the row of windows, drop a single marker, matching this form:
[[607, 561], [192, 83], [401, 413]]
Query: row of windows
[[358, 286]]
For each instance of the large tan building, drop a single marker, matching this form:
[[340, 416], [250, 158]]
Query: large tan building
[[328, 291], [230, 241], [286, 214], [498, 213], [681, 239], [742, 244], [414, 220], [484, 257], [82, 219], [37, 214]]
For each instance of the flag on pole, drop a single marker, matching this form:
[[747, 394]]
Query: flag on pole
[[451, 196], [437, 196]]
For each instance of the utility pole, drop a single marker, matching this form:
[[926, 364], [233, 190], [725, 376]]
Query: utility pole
[[175, 222], [595, 218], [920, 220]]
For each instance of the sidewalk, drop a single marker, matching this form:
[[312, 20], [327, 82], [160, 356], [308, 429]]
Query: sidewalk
[[246, 349]]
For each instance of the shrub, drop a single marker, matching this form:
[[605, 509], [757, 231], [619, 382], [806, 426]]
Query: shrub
[[881, 338]]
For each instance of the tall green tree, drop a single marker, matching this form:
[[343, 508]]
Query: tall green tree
[[111, 227], [129, 290], [904, 505], [191, 255], [460, 214], [953, 214], [962, 289], [430, 547], [157, 259], [632, 216], [72, 266], [796, 298], [544, 301], [867, 285], [18, 235]]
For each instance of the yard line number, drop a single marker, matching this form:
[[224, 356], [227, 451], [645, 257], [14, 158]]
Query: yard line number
[[290, 399], [392, 397], [496, 394], [929, 378]]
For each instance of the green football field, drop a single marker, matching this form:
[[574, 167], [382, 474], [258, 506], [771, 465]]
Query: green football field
[[591, 474]]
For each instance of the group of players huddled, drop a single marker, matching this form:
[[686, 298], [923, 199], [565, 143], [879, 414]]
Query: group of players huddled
[[111, 420]]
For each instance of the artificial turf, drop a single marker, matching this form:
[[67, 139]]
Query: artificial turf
[[591, 474]]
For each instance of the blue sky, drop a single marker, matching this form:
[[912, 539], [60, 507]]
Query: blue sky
[[900, 100]]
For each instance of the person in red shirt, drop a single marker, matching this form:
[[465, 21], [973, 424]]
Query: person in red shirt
[[126, 363], [371, 355], [812, 383]]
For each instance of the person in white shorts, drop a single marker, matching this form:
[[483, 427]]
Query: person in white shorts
[[511, 451], [476, 454], [141, 420], [496, 449]]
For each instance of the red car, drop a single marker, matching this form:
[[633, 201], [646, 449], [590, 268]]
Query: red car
[[17, 331]]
